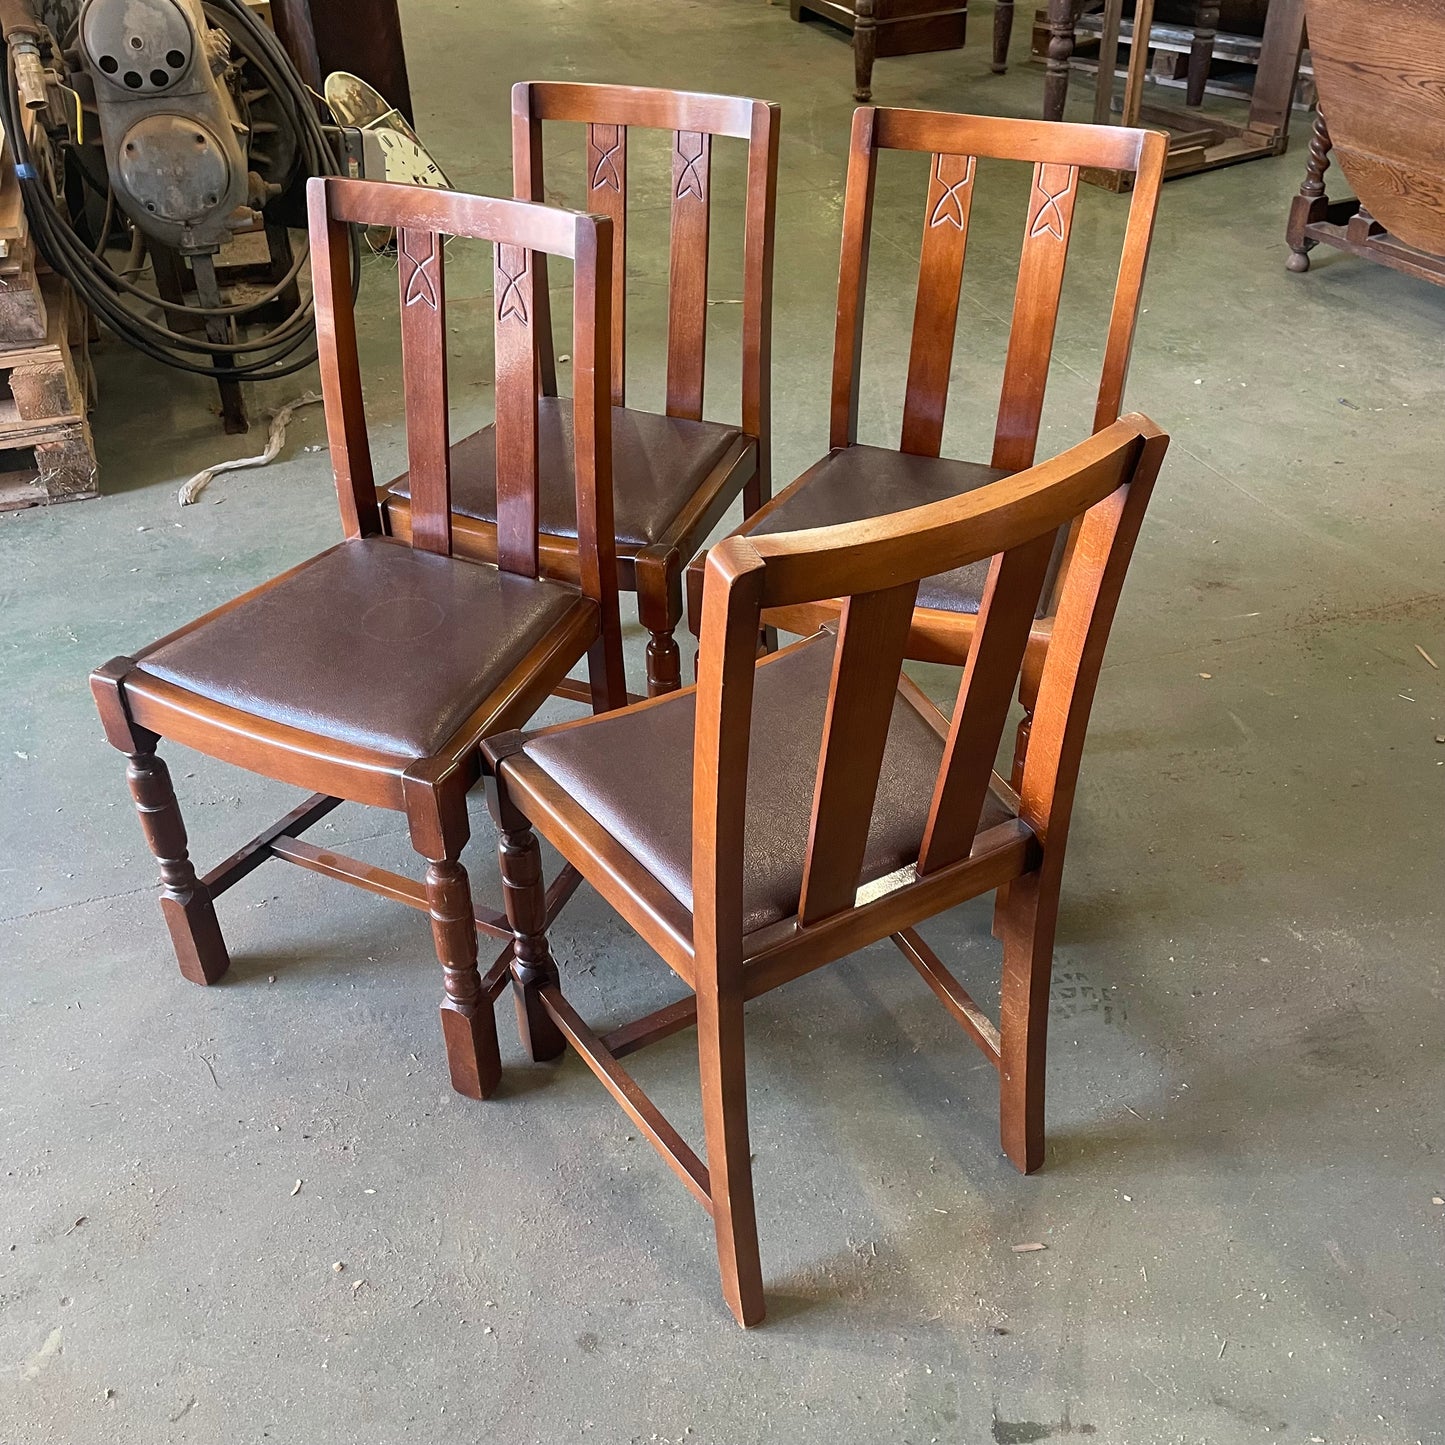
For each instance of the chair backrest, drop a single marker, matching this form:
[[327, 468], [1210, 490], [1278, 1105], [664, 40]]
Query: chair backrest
[[955, 144], [875, 566], [609, 111], [520, 234]]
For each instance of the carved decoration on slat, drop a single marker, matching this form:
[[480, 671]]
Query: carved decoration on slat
[[691, 146], [419, 271], [1052, 184], [604, 142], [512, 264], [948, 203]]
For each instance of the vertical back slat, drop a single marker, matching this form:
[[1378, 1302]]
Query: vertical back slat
[[592, 457], [341, 367], [1005, 614], [424, 383], [1035, 314], [872, 634], [687, 278], [935, 316], [853, 278], [607, 196], [516, 429], [529, 184]]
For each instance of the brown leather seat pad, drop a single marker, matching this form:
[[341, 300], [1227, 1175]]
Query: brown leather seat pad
[[632, 771], [658, 462], [858, 482], [371, 644]]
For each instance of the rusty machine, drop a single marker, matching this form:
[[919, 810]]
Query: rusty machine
[[162, 148]]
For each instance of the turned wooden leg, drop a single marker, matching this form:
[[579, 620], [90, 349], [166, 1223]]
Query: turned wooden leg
[[469, 1028], [1061, 49], [723, 1074], [664, 664], [757, 489], [533, 967], [185, 900], [1311, 204], [1003, 29], [1021, 749], [1024, 919], [659, 609], [1201, 50], [865, 48], [1029, 679]]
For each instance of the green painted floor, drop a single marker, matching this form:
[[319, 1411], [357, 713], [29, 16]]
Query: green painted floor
[[1247, 1072]]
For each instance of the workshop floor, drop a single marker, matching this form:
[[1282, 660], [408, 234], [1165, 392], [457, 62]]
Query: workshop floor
[[258, 1212]]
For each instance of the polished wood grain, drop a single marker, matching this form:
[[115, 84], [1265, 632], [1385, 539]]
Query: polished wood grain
[[1380, 69], [1100, 490], [608, 113], [138, 707]]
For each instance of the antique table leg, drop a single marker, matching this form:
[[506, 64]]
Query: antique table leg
[[1061, 48], [1310, 204], [1003, 29]]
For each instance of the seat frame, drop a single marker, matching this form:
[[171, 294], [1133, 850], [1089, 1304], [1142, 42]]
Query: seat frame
[[138, 709], [654, 572], [955, 143], [1106, 481]]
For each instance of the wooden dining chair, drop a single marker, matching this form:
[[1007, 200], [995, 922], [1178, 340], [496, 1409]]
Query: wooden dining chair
[[855, 480], [800, 808], [675, 474], [371, 672]]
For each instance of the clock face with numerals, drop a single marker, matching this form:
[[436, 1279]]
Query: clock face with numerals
[[353, 102], [407, 160]]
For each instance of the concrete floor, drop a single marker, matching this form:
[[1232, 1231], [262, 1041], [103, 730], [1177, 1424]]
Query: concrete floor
[[1240, 1205]]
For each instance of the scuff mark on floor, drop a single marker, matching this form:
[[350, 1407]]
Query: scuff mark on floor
[[32, 1367]]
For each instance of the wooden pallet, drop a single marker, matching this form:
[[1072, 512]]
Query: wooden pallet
[[46, 452], [22, 299]]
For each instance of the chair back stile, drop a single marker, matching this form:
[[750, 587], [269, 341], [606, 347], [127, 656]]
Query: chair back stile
[[522, 235], [875, 566], [955, 144], [608, 112], [340, 364]]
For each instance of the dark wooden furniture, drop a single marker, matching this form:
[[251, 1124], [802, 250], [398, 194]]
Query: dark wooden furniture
[[371, 672], [1204, 19], [359, 36], [1197, 141], [1381, 79], [1191, 47], [674, 475], [855, 480], [889, 27], [804, 807]]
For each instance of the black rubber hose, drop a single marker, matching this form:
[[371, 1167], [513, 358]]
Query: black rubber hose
[[269, 355]]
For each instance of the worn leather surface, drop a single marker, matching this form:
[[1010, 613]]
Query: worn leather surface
[[658, 462], [371, 644], [857, 482], [632, 771]]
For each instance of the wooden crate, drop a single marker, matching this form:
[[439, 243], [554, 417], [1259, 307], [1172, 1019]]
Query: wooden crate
[[22, 301], [46, 452]]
